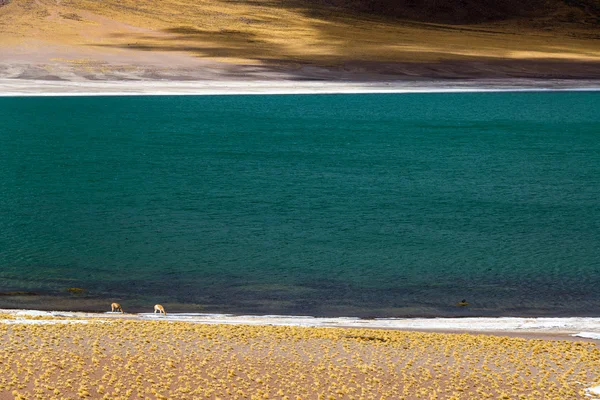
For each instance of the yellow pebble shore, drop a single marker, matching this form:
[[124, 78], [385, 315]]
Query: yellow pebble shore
[[124, 359]]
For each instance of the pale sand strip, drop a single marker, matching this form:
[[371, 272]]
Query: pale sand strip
[[21, 87]]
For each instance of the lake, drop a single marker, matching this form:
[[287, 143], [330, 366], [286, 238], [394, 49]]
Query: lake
[[372, 205]]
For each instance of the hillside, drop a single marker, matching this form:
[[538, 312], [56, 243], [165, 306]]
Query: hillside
[[473, 11], [359, 39]]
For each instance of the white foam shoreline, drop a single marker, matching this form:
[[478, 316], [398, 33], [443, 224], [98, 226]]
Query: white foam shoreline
[[22, 87], [586, 327]]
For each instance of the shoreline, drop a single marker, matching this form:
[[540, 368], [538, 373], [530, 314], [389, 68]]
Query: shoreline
[[35, 88], [116, 356], [557, 328]]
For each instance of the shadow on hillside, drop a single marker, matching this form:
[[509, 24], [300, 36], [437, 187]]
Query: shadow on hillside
[[220, 44], [458, 12], [356, 47]]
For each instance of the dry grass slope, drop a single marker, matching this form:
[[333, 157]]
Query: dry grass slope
[[292, 34]]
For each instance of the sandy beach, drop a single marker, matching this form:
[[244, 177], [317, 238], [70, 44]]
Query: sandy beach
[[84, 355]]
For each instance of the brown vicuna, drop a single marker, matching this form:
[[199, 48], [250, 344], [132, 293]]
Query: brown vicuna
[[160, 309]]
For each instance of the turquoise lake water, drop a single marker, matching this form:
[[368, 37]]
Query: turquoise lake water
[[356, 205]]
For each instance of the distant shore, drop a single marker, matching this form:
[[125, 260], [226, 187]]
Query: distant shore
[[23, 87]]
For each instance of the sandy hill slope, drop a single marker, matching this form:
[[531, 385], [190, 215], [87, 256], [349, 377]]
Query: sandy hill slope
[[330, 39]]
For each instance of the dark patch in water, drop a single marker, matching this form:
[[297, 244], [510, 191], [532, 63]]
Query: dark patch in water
[[17, 293]]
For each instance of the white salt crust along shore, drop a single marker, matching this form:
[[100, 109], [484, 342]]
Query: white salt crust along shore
[[22, 87], [586, 327], [22, 321], [593, 393]]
